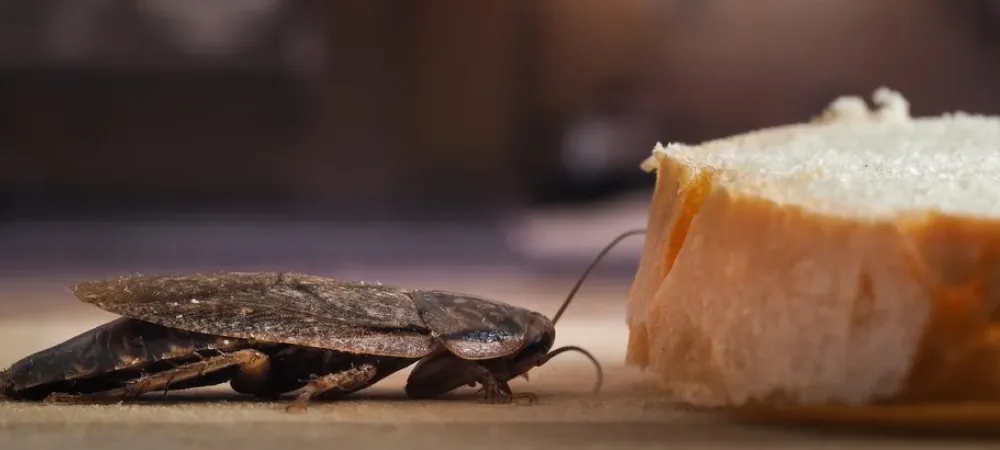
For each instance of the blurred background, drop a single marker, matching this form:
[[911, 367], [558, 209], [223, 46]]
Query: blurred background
[[480, 145]]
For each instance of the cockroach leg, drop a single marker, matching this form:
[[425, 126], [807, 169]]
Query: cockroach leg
[[521, 397], [163, 380], [347, 378], [252, 377], [496, 391]]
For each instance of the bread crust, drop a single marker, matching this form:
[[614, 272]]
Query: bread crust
[[738, 301]]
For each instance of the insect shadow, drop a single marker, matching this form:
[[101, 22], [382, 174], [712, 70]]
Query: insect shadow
[[268, 334]]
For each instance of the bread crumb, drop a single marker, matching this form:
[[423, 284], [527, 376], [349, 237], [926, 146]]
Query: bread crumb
[[844, 109], [892, 106]]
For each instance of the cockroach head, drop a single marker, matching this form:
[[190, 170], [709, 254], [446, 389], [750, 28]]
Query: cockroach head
[[541, 335]]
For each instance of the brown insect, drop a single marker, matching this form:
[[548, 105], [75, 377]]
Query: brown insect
[[269, 334]]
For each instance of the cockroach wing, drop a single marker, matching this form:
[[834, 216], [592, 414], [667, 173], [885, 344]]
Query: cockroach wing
[[120, 344], [285, 308], [476, 328]]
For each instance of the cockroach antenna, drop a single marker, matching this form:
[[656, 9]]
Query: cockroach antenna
[[569, 298], [590, 268]]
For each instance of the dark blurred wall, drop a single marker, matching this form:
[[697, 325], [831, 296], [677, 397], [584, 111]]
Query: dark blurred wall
[[732, 66], [117, 106], [356, 108]]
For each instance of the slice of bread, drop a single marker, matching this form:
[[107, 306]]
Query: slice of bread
[[853, 259]]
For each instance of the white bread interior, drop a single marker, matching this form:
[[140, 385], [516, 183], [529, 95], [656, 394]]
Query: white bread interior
[[852, 259]]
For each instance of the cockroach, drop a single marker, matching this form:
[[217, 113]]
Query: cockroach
[[270, 333]]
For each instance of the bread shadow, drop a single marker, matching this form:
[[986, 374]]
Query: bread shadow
[[944, 432], [850, 430]]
